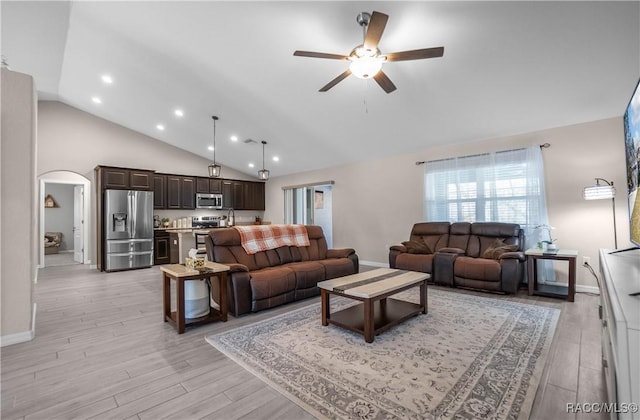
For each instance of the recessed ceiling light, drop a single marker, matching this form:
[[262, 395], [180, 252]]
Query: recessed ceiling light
[[179, 113], [276, 158], [210, 148], [234, 138], [96, 100], [160, 127], [107, 79], [251, 165]]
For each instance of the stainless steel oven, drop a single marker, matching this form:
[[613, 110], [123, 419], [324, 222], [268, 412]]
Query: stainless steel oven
[[208, 201]]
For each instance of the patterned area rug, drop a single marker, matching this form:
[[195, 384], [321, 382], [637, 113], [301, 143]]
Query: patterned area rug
[[470, 357]]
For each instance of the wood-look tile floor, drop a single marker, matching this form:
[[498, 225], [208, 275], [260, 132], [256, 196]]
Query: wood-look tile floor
[[103, 351]]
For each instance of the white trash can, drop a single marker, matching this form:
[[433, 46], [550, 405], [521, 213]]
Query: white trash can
[[196, 298]]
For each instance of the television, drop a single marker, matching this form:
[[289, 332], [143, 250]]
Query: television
[[632, 152]]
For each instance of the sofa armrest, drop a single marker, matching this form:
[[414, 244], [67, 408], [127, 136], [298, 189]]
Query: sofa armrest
[[340, 253], [442, 272], [236, 267], [399, 248], [239, 292], [512, 274], [515, 255], [457, 251]]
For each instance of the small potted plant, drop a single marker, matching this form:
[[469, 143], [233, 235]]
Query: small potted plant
[[546, 244], [165, 222]]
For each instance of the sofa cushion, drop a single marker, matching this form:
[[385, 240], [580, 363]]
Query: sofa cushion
[[477, 268], [337, 267], [497, 248], [434, 234], [270, 282], [307, 273], [417, 247], [415, 262]]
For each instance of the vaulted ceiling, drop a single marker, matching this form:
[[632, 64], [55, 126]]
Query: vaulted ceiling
[[508, 68]]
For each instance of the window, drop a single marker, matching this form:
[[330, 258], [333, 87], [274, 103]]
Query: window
[[495, 187]]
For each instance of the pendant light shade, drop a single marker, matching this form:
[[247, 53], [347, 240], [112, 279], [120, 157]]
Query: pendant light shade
[[214, 168], [263, 174]]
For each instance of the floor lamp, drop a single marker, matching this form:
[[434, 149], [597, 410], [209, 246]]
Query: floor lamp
[[602, 192]]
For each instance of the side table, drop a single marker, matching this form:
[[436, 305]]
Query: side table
[[180, 274], [551, 290]]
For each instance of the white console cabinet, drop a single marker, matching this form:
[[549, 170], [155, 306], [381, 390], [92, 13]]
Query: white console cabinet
[[620, 314]]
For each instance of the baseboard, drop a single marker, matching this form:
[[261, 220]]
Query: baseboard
[[21, 337], [587, 289], [374, 264]]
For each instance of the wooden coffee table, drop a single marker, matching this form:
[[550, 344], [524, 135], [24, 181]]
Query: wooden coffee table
[[377, 312]]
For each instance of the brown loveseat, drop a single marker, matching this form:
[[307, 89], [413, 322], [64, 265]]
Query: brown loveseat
[[483, 255], [277, 276]]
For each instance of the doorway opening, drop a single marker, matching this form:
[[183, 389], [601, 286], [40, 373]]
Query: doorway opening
[[310, 204], [64, 219]]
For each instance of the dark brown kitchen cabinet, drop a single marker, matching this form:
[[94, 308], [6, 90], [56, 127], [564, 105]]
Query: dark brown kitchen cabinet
[[188, 200], [141, 180], [161, 247], [125, 179], [159, 191], [181, 192], [208, 185], [237, 190], [227, 194], [243, 195], [253, 195]]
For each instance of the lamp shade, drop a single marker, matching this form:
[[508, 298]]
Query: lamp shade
[[599, 192], [263, 174], [214, 170]]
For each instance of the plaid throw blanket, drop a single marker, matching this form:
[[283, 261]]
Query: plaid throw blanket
[[263, 237]]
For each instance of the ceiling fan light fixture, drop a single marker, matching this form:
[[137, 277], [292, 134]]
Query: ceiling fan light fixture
[[365, 67]]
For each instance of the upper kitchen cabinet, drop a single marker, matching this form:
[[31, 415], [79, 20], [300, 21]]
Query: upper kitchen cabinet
[[253, 193], [125, 179], [208, 185], [159, 191], [243, 195], [181, 192]]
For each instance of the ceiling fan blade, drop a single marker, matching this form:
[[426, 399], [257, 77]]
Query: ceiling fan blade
[[385, 83], [319, 55], [374, 30], [416, 54], [335, 81]]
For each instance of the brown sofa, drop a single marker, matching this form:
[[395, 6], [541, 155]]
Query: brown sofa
[[278, 276], [483, 255]]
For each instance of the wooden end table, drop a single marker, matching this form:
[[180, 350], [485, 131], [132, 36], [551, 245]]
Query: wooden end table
[[180, 274], [377, 312], [551, 290]]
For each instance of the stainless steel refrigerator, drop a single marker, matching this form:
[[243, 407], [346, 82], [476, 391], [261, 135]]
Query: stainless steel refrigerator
[[128, 225]]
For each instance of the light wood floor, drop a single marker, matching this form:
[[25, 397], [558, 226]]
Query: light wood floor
[[102, 351]]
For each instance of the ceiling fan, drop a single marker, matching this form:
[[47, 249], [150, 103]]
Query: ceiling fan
[[366, 59]]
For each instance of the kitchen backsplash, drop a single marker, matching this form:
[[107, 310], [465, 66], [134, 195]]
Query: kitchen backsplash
[[241, 216]]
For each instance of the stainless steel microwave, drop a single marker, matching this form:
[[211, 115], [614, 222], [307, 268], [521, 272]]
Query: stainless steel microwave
[[208, 201]]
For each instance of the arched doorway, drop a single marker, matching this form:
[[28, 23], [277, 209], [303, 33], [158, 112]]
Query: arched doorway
[[74, 218]]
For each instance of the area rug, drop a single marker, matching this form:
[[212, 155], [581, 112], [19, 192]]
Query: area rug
[[470, 357]]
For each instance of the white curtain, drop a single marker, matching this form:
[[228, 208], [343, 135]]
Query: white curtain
[[505, 186]]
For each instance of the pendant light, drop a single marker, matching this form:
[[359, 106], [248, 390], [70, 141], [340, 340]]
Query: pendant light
[[214, 168], [263, 174]]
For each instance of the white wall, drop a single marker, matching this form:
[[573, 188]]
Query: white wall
[[18, 207], [376, 203], [76, 141]]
